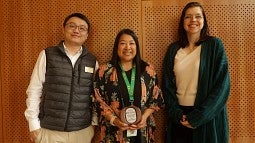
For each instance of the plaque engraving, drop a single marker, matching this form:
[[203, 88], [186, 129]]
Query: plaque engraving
[[130, 115]]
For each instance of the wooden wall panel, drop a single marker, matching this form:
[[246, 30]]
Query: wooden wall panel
[[1, 37], [28, 26], [1, 108]]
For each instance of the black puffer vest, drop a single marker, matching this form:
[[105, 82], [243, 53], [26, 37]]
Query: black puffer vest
[[66, 101]]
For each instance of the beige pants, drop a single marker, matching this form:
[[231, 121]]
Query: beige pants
[[51, 136]]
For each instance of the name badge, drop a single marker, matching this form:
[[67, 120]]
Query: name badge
[[131, 133], [89, 69]]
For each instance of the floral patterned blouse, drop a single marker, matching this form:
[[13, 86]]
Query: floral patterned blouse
[[112, 96]]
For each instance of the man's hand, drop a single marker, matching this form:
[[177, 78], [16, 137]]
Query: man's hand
[[34, 134]]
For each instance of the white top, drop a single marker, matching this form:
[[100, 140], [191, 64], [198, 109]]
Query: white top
[[34, 90], [186, 69]]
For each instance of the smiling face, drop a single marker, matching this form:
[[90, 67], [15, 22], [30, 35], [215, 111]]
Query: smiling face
[[193, 21], [75, 31], [126, 48]]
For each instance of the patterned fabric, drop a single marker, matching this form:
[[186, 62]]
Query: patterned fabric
[[108, 96]]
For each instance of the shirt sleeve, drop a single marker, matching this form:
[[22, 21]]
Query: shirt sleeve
[[94, 112], [97, 66], [94, 117], [34, 92]]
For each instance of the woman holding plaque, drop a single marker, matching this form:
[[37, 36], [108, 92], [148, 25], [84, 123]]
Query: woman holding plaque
[[196, 82], [127, 93]]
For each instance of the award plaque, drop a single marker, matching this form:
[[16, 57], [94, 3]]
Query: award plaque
[[130, 115]]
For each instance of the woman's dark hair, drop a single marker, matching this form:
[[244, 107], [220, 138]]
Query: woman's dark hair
[[137, 59], [182, 34], [79, 15]]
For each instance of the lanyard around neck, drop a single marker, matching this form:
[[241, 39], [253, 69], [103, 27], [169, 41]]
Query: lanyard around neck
[[130, 86]]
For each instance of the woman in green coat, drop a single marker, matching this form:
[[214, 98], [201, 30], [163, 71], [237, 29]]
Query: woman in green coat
[[196, 83]]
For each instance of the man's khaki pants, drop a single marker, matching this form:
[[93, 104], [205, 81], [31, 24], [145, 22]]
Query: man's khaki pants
[[51, 136]]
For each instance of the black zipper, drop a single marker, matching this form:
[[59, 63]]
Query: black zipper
[[71, 92]]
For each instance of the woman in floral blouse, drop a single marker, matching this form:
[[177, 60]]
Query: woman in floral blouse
[[124, 81]]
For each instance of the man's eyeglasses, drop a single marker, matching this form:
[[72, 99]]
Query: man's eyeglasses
[[73, 26]]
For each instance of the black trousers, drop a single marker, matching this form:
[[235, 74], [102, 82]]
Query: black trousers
[[182, 134]]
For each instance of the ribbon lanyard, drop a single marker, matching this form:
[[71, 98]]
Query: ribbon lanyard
[[130, 86]]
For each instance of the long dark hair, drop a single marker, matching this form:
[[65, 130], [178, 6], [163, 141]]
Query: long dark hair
[[182, 34], [137, 59]]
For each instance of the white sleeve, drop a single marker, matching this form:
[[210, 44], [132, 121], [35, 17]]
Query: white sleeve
[[94, 117], [94, 113], [97, 66], [34, 92]]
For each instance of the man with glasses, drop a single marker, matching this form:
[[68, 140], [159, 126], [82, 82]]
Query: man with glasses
[[59, 102]]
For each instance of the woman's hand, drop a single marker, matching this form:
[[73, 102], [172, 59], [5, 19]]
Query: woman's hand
[[122, 126], [142, 123], [185, 122]]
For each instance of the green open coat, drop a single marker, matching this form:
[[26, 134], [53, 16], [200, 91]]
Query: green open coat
[[210, 113]]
